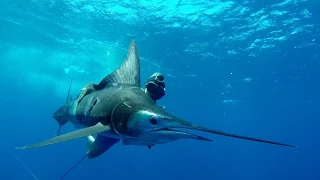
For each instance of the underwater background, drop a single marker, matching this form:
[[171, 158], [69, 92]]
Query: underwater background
[[249, 67]]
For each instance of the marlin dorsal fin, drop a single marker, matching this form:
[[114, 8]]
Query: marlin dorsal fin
[[129, 71]]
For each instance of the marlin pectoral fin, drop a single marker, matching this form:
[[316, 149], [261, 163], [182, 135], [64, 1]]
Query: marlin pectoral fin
[[98, 128]]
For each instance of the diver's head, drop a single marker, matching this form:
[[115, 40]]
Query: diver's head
[[155, 86]]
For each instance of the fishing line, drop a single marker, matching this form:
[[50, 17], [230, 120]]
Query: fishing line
[[25, 167], [74, 166]]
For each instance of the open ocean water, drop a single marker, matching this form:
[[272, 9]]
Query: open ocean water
[[249, 67]]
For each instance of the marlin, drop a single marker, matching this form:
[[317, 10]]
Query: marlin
[[122, 111]]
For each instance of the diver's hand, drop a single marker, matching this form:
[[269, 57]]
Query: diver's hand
[[88, 89]]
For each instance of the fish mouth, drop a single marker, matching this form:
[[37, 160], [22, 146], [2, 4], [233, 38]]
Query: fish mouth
[[175, 134]]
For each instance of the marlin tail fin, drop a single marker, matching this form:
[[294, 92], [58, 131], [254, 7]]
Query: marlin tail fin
[[60, 114]]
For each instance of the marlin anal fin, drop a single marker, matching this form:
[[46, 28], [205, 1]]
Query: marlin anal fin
[[96, 147], [98, 128], [90, 141], [129, 71]]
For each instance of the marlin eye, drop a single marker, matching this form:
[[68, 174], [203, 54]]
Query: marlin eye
[[153, 121]]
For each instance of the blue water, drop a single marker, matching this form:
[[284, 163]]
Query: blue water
[[246, 67]]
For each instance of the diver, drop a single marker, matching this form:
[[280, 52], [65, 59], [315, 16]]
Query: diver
[[154, 87]]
